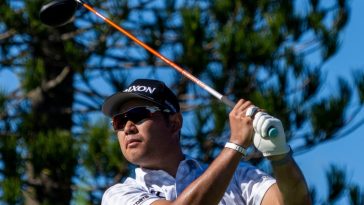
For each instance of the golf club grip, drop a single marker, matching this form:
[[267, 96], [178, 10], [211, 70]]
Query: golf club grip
[[272, 131]]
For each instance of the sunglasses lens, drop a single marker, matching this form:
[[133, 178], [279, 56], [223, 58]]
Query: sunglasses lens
[[135, 115], [118, 122]]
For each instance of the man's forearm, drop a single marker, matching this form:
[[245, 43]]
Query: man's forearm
[[290, 180]]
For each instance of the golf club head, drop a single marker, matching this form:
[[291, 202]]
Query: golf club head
[[58, 12]]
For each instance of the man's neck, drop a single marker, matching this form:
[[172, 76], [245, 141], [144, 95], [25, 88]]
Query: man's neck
[[168, 164]]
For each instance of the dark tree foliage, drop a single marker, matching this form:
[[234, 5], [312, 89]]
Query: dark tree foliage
[[55, 147]]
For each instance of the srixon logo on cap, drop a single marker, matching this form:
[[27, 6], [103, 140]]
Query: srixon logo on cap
[[140, 88]]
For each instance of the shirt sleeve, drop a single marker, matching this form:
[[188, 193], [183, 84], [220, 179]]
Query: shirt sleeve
[[127, 194], [253, 183]]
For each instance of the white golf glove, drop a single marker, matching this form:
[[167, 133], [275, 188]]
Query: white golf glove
[[269, 146]]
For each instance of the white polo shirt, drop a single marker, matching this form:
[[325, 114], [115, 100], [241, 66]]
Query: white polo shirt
[[248, 185]]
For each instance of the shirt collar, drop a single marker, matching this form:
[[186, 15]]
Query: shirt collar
[[143, 175]]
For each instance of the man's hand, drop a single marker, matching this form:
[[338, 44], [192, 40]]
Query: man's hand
[[290, 180], [241, 125], [269, 146]]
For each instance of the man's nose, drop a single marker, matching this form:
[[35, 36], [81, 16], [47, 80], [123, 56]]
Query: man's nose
[[130, 128]]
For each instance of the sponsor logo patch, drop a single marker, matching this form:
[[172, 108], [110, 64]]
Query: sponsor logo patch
[[140, 88]]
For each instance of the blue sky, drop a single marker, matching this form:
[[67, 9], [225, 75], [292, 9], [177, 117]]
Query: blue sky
[[345, 152]]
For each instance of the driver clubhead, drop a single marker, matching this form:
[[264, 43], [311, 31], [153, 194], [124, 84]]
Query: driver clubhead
[[58, 12]]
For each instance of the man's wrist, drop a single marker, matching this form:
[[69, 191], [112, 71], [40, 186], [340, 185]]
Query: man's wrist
[[281, 160], [236, 147]]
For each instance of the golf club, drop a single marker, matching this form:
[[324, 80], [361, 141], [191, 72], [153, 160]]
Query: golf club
[[60, 12]]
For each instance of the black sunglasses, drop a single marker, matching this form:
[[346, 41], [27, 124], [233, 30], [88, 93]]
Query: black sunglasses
[[135, 115]]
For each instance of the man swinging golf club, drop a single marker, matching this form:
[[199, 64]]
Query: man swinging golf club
[[146, 117]]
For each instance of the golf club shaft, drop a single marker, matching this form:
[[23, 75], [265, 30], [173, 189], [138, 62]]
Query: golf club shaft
[[204, 86], [219, 96]]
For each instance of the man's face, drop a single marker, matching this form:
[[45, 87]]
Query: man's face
[[147, 142]]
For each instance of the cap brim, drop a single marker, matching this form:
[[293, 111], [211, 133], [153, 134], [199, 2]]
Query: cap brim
[[113, 103]]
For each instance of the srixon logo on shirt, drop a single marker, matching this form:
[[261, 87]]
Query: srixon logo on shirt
[[140, 88], [141, 199]]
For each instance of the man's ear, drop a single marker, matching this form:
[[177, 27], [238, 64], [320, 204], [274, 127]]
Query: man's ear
[[176, 121]]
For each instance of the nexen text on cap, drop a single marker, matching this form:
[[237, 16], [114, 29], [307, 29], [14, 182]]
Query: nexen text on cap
[[150, 90]]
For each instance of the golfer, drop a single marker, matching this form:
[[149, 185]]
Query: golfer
[[147, 119]]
